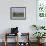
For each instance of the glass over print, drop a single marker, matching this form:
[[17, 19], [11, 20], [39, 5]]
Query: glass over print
[[18, 13]]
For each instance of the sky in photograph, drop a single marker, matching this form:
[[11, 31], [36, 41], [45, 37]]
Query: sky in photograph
[[18, 10]]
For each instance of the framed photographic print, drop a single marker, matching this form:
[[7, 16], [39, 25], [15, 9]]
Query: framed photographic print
[[18, 13], [41, 12], [41, 8]]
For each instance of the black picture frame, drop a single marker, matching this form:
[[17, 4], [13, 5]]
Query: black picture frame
[[18, 13]]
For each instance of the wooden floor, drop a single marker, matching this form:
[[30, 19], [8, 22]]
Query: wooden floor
[[13, 44]]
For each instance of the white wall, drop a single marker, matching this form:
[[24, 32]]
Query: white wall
[[24, 25]]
